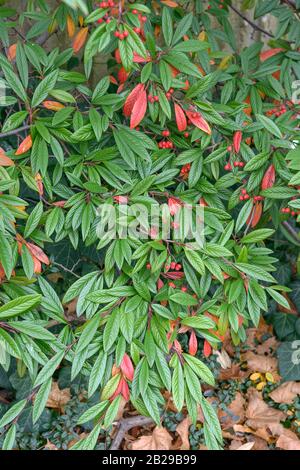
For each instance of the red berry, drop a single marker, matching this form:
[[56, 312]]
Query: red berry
[[137, 30], [178, 267], [171, 284], [186, 135], [184, 289], [117, 34], [241, 198], [144, 19], [173, 264], [148, 266], [236, 164], [135, 12], [125, 34], [229, 148]]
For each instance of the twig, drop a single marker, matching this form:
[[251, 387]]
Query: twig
[[124, 425], [15, 131], [65, 269], [251, 23], [291, 231]]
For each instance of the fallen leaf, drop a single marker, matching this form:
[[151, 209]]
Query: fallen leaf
[[259, 414], [58, 398], [234, 413], [247, 446], [260, 363], [285, 393], [288, 443], [160, 439], [183, 431], [50, 446]]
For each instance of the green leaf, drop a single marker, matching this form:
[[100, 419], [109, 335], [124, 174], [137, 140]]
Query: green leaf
[[41, 400], [44, 87], [12, 413], [6, 257], [19, 306], [48, 370], [167, 26], [269, 125], [33, 219]]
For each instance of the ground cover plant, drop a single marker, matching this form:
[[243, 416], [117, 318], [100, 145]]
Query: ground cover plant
[[181, 118]]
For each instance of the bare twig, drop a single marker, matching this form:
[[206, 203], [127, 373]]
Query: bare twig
[[251, 23], [15, 131], [65, 269], [291, 231], [124, 425]]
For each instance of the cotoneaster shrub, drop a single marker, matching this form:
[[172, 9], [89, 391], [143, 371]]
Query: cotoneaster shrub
[[178, 120]]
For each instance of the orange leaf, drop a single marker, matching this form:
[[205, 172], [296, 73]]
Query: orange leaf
[[255, 215], [170, 3], [193, 344], [237, 139], [270, 53], [139, 109], [38, 253], [180, 118], [4, 160], [11, 53], [25, 145], [70, 26], [53, 105], [80, 39], [131, 99], [198, 121], [269, 178]]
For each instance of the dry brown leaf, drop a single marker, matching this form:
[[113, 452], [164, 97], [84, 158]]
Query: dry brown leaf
[[286, 393], [233, 373], [50, 446], [267, 346], [58, 398], [259, 415], [288, 443], [160, 439], [247, 446], [223, 359], [235, 413], [183, 431], [260, 363]]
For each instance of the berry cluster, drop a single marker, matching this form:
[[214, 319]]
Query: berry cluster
[[153, 98], [288, 210], [108, 4], [166, 145], [236, 164], [121, 35], [185, 170], [280, 109], [245, 196], [169, 94]]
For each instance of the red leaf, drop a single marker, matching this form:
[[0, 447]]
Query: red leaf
[[180, 118], [270, 53], [139, 109], [193, 344], [237, 139], [174, 205], [269, 178], [207, 349], [122, 75], [198, 121], [131, 99], [127, 367], [80, 39], [125, 390], [139, 59]]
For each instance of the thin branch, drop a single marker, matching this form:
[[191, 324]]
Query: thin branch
[[251, 23], [124, 425], [15, 131], [65, 269], [291, 231]]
